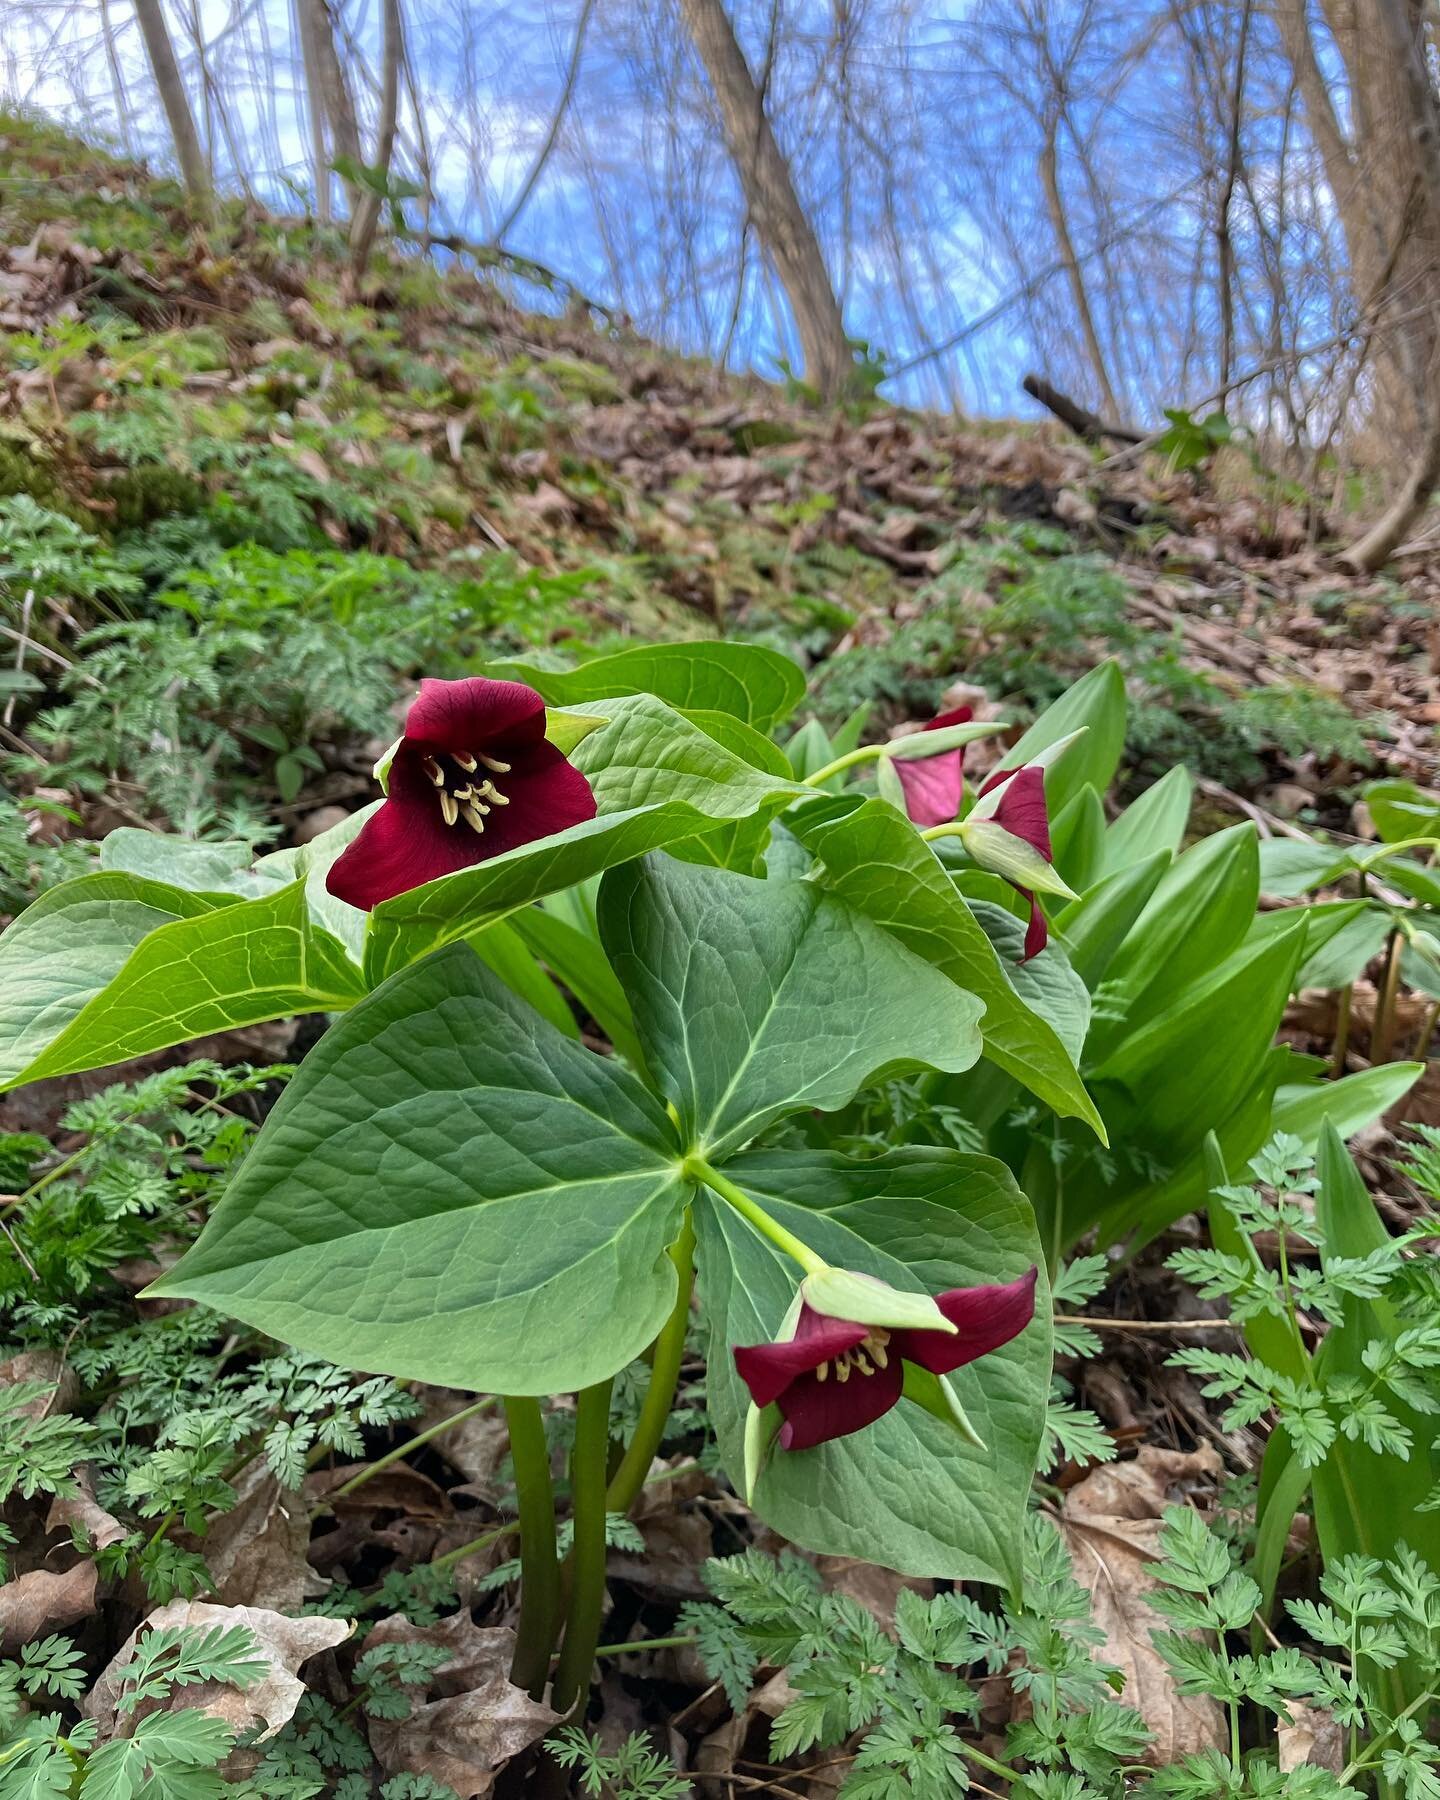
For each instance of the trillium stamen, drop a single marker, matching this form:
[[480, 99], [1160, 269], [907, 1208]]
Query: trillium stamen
[[466, 762], [493, 762], [448, 807], [433, 770]]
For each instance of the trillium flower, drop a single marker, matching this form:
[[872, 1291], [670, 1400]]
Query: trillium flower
[[831, 1373], [1007, 831], [472, 777], [933, 782]]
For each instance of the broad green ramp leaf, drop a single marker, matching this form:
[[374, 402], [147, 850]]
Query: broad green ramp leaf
[[451, 1191], [748, 681], [752, 999], [1094, 704], [112, 966], [658, 780], [873, 858], [908, 1490]]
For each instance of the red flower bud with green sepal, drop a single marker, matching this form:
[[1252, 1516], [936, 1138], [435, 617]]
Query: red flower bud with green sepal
[[472, 777]]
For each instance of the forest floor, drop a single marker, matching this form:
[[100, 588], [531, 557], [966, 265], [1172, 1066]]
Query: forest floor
[[215, 463]]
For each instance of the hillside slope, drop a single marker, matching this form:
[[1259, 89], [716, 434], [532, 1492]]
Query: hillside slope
[[211, 455]]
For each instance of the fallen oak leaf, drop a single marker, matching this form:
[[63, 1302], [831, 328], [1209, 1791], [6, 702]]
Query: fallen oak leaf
[[42, 1601]]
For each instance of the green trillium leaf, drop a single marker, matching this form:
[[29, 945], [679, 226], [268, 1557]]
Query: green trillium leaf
[[759, 686], [752, 999], [452, 1191]]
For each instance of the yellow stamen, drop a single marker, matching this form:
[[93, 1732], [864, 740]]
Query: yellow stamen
[[467, 763], [862, 1362], [472, 817], [493, 762], [433, 770], [842, 1367], [881, 1355], [823, 1372], [448, 809]]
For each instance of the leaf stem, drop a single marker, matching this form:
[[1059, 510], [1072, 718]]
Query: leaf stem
[[661, 1643], [539, 1565], [587, 1564], [415, 1443], [865, 753], [750, 1210], [629, 1478]]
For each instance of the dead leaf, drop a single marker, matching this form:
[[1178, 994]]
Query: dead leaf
[[477, 1720], [33, 1605], [1111, 1522], [256, 1551], [1311, 1737], [284, 1643], [82, 1512]]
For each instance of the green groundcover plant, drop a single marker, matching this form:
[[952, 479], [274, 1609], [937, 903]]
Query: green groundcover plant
[[456, 1187]]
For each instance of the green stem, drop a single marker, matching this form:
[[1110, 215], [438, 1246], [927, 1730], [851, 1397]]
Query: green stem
[[866, 753], [476, 1545], [1368, 1759], [587, 1564], [539, 1565], [629, 1478], [956, 828], [698, 1169], [415, 1443], [1387, 850], [987, 1762], [670, 1643], [1342, 1031], [1383, 1035]]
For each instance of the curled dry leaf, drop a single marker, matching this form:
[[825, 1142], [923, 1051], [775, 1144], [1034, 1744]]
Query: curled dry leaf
[[1111, 1522], [82, 1512], [34, 1605], [472, 1721], [284, 1643]]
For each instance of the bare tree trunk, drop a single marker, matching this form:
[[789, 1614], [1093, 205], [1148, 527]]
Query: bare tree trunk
[[1403, 34], [1372, 164], [193, 167], [367, 206], [333, 89], [1224, 243], [314, 108], [1055, 206], [779, 218]]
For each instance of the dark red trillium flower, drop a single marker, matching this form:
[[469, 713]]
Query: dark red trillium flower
[[934, 785], [1018, 809], [835, 1376], [472, 777]]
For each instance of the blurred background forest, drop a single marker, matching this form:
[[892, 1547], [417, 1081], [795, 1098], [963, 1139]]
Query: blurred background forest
[[1151, 203]]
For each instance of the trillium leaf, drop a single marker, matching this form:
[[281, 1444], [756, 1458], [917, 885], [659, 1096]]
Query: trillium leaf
[[757, 998], [451, 1191], [874, 858], [909, 1489], [219, 869], [760, 686], [1047, 983], [112, 966]]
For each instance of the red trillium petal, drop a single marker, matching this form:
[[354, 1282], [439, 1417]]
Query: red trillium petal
[[1022, 809], [957, 715], [1037, 933], [406, 844], [984, 1317], [933, 786], [768, 1369], [469, 715], [816, 1411]]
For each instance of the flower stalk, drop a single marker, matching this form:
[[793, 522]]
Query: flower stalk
[[669, 1351], [539, 1564], [699, 1170], [587, 1564]]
